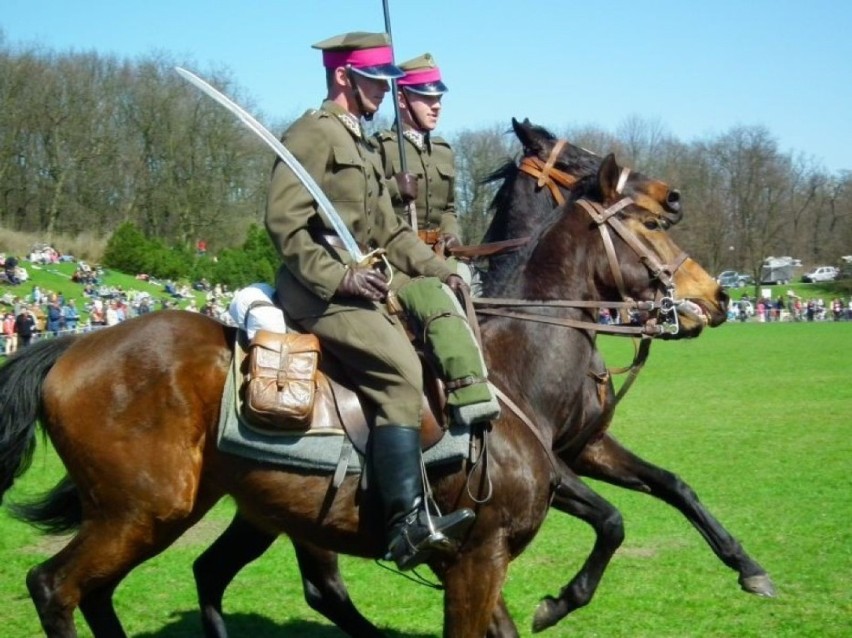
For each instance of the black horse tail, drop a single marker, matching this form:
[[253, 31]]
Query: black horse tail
[[21, 380], [56, 512]]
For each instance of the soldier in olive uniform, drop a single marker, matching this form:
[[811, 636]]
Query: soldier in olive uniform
[[342, 302], [429, 159]]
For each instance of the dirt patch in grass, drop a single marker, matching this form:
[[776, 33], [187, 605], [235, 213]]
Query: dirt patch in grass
[[201, 534]]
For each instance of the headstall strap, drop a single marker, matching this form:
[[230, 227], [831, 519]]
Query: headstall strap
[[551, 160], [548, 176]]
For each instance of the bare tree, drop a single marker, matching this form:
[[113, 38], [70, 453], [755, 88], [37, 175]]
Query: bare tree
[[478, 154]]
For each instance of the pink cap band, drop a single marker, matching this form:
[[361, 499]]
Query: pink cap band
[[420, 77], [358, 58]]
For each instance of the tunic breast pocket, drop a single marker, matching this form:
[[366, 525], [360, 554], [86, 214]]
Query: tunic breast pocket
[[347, 183], [446, 171]]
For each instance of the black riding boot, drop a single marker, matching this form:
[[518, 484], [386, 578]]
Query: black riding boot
[[413, 535]]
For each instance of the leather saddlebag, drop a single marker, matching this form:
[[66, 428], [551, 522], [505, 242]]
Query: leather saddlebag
[[281, 380]]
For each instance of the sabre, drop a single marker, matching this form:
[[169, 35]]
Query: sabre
[[326, 208], [410, 206]]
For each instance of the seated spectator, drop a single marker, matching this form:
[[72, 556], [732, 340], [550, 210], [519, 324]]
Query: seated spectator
[[10, 268]]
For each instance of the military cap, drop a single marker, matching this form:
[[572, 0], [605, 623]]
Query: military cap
[[422, 76], [369, 54]]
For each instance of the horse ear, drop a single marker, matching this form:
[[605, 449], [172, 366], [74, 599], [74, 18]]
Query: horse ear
[[530, 137], [608, 174], [524, 131]]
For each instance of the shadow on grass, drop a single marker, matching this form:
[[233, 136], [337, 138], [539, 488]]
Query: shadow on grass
[[188, 623]]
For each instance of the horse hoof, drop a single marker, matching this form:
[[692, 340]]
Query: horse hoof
[[759, 584], [546, 615]]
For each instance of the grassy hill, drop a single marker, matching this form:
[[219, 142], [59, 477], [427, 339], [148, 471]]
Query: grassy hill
[[56, 278]]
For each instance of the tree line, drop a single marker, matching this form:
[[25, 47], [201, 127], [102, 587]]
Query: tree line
[[91, 142]]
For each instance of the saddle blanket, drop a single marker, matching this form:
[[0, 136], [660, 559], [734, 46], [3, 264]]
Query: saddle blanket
[[315, 452]]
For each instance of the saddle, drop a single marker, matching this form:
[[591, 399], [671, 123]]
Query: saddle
[[320, 400]]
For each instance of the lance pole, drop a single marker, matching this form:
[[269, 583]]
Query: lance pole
[[403, 164]]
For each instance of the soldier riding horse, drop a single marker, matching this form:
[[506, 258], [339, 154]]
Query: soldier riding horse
[[142, 399]]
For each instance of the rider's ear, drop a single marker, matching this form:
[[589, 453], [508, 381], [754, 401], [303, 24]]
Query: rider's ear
[[608, 174]]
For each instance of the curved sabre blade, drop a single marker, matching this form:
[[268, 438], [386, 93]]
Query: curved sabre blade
[[325, 206]]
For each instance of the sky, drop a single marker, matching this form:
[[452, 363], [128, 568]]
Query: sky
[[696, 69]]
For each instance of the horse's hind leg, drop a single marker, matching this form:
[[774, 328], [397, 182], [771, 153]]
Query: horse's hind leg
[[608, 461], [573, 497], [87, 571], [85, 574], [99, 612]]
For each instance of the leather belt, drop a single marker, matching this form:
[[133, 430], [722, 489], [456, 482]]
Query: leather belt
[[330, 238]]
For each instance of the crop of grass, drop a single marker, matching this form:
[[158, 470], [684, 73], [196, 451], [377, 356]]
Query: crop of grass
[[755, 417]]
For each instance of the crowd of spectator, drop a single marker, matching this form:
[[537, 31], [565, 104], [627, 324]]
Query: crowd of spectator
[[789, 307], [29, 313]]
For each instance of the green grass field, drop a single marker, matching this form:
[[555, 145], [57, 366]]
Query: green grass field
[[756, 417]]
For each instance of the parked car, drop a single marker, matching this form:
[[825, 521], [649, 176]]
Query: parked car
[[744, 280], [728, 279], [821, 273]]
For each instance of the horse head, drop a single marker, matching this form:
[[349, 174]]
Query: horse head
[[603, 245], [542, 179]]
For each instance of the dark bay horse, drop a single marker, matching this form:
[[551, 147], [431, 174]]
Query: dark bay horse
[[531, 188], [132, 412]]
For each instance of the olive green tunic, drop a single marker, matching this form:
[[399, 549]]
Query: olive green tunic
[[370, 344], [436, 174]]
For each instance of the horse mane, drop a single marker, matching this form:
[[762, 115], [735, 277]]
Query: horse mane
[[501, 202], [502, 267]]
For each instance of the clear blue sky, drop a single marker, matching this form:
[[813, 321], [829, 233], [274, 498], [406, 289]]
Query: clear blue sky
[[697, 68]]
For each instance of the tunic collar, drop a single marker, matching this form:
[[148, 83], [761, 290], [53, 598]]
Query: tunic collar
[[352, 124]]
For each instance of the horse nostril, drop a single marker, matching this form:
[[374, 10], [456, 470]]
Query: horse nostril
[[673, 200]]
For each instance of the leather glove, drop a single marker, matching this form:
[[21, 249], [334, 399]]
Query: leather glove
[[407, 184], [456, 284], [450, 241], [364, 282]]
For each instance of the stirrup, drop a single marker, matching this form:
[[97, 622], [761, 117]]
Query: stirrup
[[421, 536]]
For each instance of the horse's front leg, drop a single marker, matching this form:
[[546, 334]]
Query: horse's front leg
[[326, 592], [502, 625], [608, 461], [240, 544], [472, 584], [574, 497], [236, 547]]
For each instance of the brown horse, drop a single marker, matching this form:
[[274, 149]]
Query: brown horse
[[549, 168], [132, 412]]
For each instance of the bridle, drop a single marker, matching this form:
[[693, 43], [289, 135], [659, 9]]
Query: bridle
[[665, 301]]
